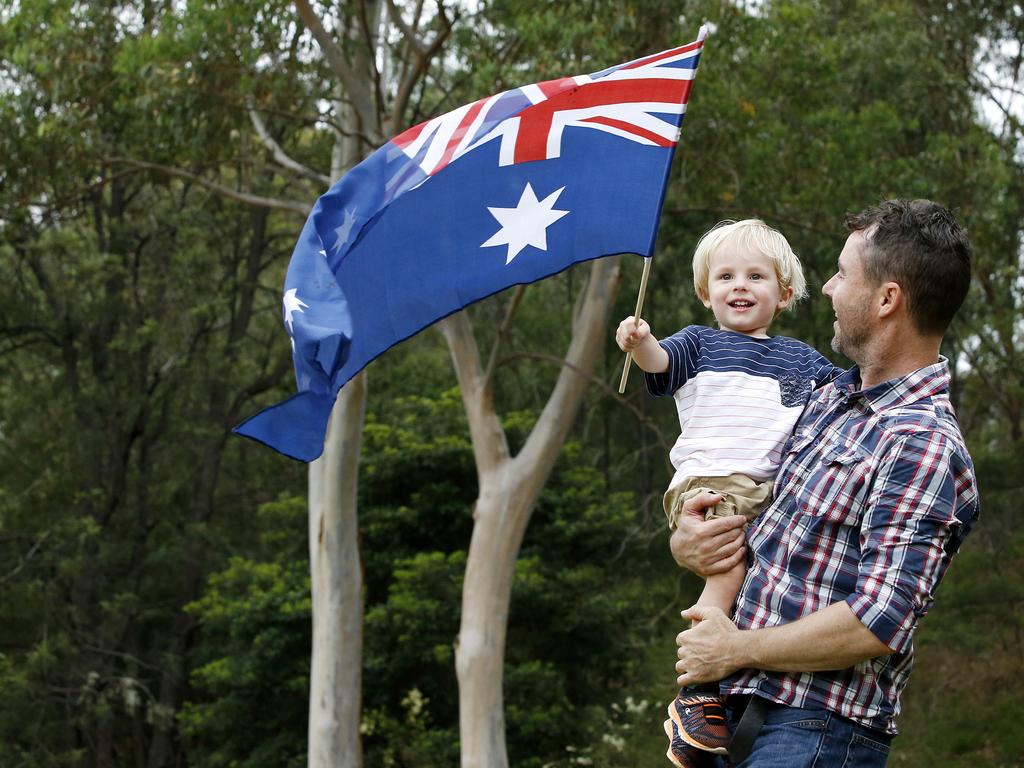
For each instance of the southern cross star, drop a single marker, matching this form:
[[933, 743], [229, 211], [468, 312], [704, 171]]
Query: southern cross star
[[292, 304], [343, 231], [526, 224]]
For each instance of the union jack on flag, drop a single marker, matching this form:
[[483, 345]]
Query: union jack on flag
[[625, 101], [464, 205]]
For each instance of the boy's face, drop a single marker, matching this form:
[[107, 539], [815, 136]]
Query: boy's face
[[743, 291]]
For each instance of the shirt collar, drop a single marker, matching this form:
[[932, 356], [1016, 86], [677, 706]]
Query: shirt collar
[[917, 385]]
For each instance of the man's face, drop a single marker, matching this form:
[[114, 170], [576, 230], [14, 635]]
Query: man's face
[[851, 293]]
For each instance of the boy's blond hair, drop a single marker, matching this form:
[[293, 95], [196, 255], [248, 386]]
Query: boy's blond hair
[[756, 236]]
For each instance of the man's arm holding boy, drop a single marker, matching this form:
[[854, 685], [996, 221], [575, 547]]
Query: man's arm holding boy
[[892, 595], [832, 638]]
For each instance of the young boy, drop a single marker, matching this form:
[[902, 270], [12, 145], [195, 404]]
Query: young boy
[[739, 393]]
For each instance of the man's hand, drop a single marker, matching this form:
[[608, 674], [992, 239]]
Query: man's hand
[[830, 638], [709, 651], [707, 547]]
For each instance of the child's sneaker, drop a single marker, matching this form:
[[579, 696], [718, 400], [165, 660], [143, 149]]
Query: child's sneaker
[[700, 721], [681, 754]]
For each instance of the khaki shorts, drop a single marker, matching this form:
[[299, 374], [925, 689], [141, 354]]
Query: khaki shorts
[[741, 496]]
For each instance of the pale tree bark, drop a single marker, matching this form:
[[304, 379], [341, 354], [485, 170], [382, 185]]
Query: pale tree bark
[[509, 488], [364, 119], [336, 581], [336, 570], [335, 566]]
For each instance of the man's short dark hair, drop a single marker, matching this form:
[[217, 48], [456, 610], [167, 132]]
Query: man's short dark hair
[[918, 245]]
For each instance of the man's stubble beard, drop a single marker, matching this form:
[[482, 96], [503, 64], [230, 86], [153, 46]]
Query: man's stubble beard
[[848, 343]]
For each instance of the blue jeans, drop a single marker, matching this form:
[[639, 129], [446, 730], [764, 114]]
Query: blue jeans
[[813, 738]]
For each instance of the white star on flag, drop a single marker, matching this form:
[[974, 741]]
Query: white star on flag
[[342, 232], [526, 224], [292, 304]]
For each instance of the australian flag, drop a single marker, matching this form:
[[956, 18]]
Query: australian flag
[[507, 190]]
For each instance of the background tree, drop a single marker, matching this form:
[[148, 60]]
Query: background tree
[[134, 336], [370, 103], [139, 321]]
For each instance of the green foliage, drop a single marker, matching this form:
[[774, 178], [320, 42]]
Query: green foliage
[[133, 335], [416, 493], [410, 709], [965, 689], [139, 321], [255, 639], [570, 584]]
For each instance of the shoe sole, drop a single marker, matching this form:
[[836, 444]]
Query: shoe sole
[[689, 739], [671, 757]]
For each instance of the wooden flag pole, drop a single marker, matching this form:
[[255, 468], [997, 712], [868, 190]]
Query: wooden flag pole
[[636, 315]]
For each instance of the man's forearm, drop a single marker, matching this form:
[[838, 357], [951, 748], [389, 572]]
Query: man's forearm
[[832, 638]]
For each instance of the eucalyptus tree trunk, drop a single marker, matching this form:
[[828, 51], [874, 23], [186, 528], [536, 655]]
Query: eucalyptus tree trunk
[[335, 680], [336, 569], [363, 118], [335, 564], [509, 488]]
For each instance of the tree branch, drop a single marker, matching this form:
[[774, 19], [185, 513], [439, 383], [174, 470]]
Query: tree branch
[[58, 203], [370, 24], [605, 387], [510, 312], [588, 331], [490, 444], [302, 209], [423, 53], [407, 32], [360, 97], [1012, 120], [274, 370], [280, 155], [23, 560]]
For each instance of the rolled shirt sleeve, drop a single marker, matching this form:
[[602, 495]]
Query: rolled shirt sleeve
[[918, 514]]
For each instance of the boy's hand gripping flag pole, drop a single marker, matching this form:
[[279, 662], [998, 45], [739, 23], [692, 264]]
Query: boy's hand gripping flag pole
[[647, 272], [505, 191], [636, 316]]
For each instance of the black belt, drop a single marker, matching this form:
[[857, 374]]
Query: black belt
[[747, 729]]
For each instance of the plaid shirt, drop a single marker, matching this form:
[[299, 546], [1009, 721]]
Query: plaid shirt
[[874, 496]]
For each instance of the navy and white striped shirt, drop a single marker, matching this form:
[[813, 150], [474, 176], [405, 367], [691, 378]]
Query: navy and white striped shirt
[[738, 399], [874, 496]]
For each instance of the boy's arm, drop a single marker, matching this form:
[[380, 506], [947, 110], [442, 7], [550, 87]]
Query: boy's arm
[[635, 336]]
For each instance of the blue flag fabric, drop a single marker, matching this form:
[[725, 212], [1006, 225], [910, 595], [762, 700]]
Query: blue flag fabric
[[505, 191]]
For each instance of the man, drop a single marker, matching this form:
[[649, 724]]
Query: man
[[873, 498]]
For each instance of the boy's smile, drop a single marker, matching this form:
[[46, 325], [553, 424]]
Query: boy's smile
[[743, 291]]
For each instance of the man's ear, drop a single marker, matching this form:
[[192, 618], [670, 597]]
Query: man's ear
[[890, 299]]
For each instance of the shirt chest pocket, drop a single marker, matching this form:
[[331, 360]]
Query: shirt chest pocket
[[835, 486]]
